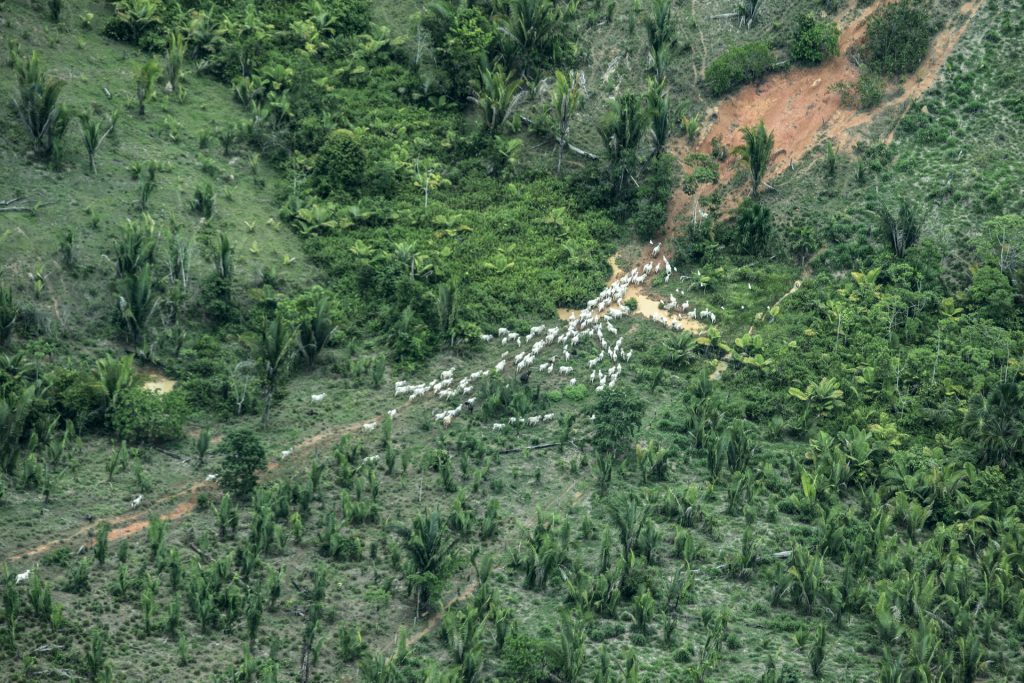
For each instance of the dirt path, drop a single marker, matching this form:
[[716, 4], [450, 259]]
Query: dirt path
[[131, 523]]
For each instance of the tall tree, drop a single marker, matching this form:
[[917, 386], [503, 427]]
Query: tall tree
[[566, 98], [622, 131]]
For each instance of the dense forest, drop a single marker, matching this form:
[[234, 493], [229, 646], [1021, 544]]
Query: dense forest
[[512, 340]]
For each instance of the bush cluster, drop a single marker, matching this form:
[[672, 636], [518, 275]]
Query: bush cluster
[[737, 66], [815, 41], [897, 38]]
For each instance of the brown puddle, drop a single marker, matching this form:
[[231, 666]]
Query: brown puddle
[[647, 306]]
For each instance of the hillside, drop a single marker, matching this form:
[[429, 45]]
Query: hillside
[[512, 340]]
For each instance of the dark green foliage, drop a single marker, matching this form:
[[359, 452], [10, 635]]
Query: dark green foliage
[[903, 229], [244, 456], [340, 164], [753, 227], [756, 150], [37, 103], [619, 415], [897, 37], [8, 314], [992, 295], [995, 422], [622, 131], [141, 416], [737, 66], [814, 41]]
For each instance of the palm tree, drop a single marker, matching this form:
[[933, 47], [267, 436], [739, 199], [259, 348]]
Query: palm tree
[[756, 150], [659, 112], [498, 97], [37, 102], [137, 302], [660, 29], [996, 423], [94, 132], [530, 32], [275, 353], [622, 131], [145, 82], [903, 229], [405, 252], [8, 314], [316, 330], [135, 246], [566, 98], [429, 547]]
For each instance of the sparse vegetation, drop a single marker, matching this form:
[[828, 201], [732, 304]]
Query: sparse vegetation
[[295, 382]]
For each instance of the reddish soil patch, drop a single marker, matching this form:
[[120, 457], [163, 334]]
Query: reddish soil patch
[[800, 107]]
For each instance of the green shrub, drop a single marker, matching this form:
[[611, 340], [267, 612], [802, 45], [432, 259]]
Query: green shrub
[[991, 294], [897, 38], [815, 41], [245, 455], [340, 163], [738, 65], [141, 416]]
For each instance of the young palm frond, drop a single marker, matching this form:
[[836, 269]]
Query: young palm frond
[[135, 247], [94, 132], [145, 83], [174, 65]]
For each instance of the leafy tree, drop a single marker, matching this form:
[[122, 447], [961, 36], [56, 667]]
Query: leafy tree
[[619, 415], [244, 457], [738, 65], [340, 164], [992, 295], [897, 37], [756, 150], [815, 41]]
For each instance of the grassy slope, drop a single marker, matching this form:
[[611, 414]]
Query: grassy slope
[[355, 589], [80, 306], [953, 152]]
